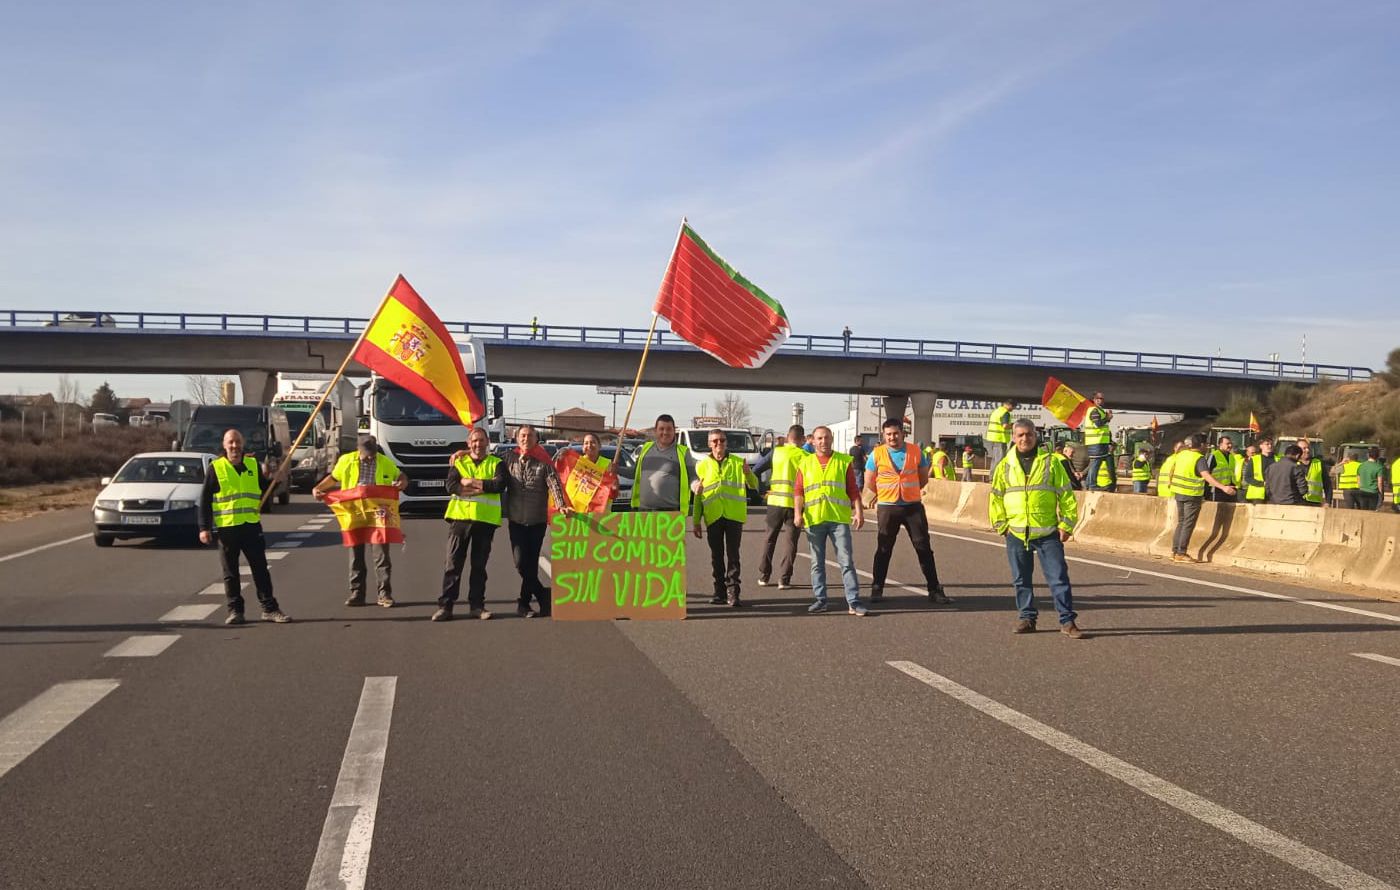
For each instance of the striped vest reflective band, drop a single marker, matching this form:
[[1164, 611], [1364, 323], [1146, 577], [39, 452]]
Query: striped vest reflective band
[[478, 507], [1031, 502], [996, 425], [786, 459], [1165, 475], [942, 467], [1096, 431], [1237, 466], [1255, 490], [897, 486], [1185, 480], [824, 496], [1315, 488], [236, 501], [347, 471], [722, 490], [1142, 470], [1349, 477], [1222, 467]]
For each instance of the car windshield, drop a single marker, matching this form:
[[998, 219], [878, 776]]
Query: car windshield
[[162, 469]]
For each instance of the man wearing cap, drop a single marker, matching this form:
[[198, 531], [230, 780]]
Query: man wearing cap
[[965, 465], [365, 466]]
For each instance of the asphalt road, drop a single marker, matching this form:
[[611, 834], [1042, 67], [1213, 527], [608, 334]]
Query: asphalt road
[[1203, 736]]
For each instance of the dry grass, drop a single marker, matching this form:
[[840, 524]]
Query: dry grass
[[32, 458]]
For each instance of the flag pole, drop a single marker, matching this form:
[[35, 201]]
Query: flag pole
[[286, 463], [646, 348]]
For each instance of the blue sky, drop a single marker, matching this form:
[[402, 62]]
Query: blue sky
[[1186, 177]]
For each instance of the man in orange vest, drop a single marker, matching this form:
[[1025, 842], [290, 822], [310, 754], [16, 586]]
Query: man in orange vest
[[897, 473]]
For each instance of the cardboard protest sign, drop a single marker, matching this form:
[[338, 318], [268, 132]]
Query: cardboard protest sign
[[618, 565]]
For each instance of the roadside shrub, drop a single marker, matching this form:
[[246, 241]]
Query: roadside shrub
[[1286, 398], [1348, 429], [33, 458]]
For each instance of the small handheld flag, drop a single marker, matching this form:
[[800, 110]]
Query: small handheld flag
[[1253, 423], [1068, 406], [368, 514]]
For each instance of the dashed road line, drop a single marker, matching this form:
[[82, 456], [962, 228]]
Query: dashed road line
[[864, 574], [43, 547], [196, 612], [1383, 659], [142, 646], [218, 589], [1266, 840], [26, 730], [342, 856], [277, 554]]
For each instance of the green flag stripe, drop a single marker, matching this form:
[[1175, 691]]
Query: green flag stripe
[[734, 274]]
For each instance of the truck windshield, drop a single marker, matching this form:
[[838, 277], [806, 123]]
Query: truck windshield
[[396, 406]]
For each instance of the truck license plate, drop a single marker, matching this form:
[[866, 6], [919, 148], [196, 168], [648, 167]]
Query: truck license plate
[[433, 483], [140, 520]]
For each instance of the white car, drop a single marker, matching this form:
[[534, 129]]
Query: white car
[[153, 495]]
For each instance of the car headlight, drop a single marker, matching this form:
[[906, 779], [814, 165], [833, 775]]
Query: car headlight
[[106, 504], [181, 505]]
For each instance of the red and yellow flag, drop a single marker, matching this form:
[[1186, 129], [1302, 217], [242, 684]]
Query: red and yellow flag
[[588, 486], [407, 344], [368, 514], [1253, 423], [1068, 406]]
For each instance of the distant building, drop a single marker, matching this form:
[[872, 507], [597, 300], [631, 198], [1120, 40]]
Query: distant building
[[576, 421]]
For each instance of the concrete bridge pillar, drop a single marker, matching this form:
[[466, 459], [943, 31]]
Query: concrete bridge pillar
[[257, 387], [895, 406], [923, 416]]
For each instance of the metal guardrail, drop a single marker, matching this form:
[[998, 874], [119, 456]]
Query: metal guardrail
[[801, 344]]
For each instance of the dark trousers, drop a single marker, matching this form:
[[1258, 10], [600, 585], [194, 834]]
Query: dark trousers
[[724, 536], [779, 525], [245, 539], [1368, 500], [889, 519], [383, 568], [464, 536], [525, 544], [1188, 510]]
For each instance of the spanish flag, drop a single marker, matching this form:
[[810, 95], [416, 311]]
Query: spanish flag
[[1068, 406], [368, 514], [1253, 423], [588, 486], [407, 344]]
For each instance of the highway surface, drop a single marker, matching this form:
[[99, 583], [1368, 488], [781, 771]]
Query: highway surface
[[1207, 734]]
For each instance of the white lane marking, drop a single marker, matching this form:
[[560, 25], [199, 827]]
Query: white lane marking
[[218, 589], [142, 646], [26, 730], [342, 856], [197, 612], [278, 555], [1383, 659], [1319, 865], [310, 527], [43, 547], [1215, 584], [864, 574]]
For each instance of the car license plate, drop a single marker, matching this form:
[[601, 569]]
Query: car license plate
[[432, 483], [140, 520]]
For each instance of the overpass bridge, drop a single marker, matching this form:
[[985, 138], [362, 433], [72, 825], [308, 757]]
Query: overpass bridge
[[902, 370]]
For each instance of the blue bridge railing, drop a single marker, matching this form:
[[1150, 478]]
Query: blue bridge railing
[[800, 344]]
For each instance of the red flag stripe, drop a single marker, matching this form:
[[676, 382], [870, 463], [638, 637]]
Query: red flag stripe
[[740, 339], [701, 261], [729, 296]]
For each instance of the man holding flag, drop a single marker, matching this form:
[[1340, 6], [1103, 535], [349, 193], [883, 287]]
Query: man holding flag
[[367, 508]]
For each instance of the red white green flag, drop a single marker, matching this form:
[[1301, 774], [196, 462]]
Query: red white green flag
[[712, 306]]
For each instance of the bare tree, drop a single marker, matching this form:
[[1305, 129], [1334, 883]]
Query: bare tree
[[733, 411], [203, 389], [69, 408]]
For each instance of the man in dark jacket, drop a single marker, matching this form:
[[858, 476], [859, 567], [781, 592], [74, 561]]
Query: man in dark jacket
[[1285, 482]]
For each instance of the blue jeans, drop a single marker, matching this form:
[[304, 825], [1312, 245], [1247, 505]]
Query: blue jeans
[[1139, 487], [1021, 555], [840, 535], [1097, 455]]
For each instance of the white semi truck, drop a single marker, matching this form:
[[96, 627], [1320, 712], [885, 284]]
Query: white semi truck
[[334, 428], [420, 438]]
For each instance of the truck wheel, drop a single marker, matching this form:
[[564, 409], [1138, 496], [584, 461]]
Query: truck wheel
[[102, 540]]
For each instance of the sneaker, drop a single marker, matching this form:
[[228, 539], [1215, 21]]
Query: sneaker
[[1024, 626], [524, 612], [276, 616], [763, 582], [444, 613], [385, 601], [234, 618], [818, 606], [1181, 557], [479, 614], [877, 594], [1072, 631], [356, 599], [857, 610], [785, 585], [937, 596]]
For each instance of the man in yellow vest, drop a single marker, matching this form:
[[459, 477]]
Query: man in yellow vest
[[365, 466], [1395, 486], [474, 485], [998, 432], [965, 463], [1254, 471], [940, 464], [784, 459], [1191, 474], [1222, 466], [897, 473], [1142, 471], [721, 505], [1098, 439], [662, 479], [1346, 477], [827, 501], [1032, 505], [1319, 492], [229, 513]]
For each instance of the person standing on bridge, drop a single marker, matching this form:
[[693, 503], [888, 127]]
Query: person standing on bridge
[[1099, 440], [897, 472], [365, 466], [1191, 474], [846, 337], [474, 482], [998, 433], [721, 506], [530, 481], [1032, 506], [827, 504], [664, 470], [229, 512], [784, 459]]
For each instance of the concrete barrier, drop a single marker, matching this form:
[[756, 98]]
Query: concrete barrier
[[1131, 523], [1281, 540], [1358, 547]]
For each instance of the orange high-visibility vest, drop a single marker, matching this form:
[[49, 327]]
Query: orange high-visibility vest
[[895, 486]]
